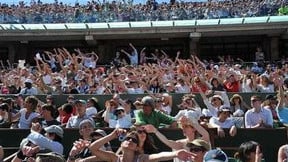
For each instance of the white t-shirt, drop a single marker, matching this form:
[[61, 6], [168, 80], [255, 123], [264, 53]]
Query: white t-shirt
[[167, 109], [91, 111], [228, 123], [124, 122], [47, 79]]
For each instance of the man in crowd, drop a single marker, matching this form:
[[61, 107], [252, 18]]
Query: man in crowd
[[148, 115], [81, 115], [258, 117]]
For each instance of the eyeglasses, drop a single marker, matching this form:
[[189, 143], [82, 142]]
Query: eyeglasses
[[134, 140], [141, 131], [196, 149]]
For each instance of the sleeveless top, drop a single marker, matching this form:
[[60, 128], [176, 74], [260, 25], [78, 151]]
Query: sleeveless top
[[25, 123]]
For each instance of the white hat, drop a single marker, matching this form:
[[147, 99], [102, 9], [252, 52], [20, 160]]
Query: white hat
[[28, 81], [55, 129], [217, 96]]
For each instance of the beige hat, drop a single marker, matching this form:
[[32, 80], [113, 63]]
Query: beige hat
[[200, 143]]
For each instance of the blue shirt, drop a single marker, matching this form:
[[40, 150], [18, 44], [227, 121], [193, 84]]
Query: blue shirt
[[282, 114]]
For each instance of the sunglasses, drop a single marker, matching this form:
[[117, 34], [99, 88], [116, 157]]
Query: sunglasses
[[141, 131], [196, 149], [134, 140]]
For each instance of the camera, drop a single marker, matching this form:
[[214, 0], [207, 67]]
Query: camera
[[122, 137]]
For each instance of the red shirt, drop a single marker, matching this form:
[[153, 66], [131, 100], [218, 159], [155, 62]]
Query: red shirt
[[232, 86]]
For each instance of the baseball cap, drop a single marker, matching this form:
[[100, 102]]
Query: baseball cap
[[28, 81], [119, 109], [148, 101], [215, 155], [86, 121], [55, 129], [199, 143]]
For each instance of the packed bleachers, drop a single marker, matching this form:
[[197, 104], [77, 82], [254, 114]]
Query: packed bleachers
[[122, 11], [58, 103]]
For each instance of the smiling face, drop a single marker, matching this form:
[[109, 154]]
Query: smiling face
[[85, 130]]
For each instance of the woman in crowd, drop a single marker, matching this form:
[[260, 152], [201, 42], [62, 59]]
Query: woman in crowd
[[238, 106], [283, 153], [249, 152], [27, 115], [265, 85], [191, 130], [86, 131], [146, 142], [129, 149], [216, 85]]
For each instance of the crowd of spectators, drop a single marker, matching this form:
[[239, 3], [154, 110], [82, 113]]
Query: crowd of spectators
[[156, 75], [123, 11]]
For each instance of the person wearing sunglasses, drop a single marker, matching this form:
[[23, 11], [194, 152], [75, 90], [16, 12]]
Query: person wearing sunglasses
[[258, 117], [146, 142], [191, 130], [198, 147], [123, 120], [129, 150], [223, 121]]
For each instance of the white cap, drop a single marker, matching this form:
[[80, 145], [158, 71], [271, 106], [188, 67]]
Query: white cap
[[28, 81], [55, 129]]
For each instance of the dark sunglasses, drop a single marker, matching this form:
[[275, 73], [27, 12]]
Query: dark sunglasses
[[196, 149], [134, 140], [141, 131]]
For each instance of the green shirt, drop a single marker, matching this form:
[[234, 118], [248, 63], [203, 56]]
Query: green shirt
[[283, 10], [155, 118]]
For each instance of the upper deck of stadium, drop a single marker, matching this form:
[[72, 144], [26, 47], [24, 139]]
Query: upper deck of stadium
[[224, 27]]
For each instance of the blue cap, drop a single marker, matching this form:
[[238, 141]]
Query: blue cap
[[215, 155]]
